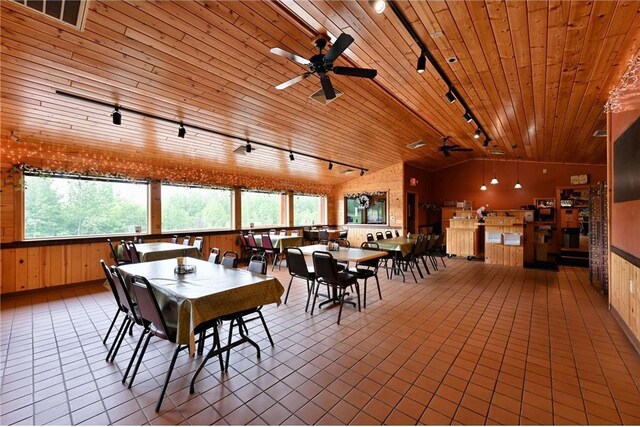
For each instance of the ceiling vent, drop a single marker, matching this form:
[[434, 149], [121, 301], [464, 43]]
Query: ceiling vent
[[321, 99], [436, 34], [452, 60], [346, 171], [416, 144], [71, 12], [601, 133], [496, 152]]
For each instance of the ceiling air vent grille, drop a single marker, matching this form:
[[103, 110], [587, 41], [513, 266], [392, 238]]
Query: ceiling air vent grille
[[416, 144], [601, 133], [71, 12]]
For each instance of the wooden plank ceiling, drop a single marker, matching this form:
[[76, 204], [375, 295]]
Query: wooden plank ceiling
[[536, 74]]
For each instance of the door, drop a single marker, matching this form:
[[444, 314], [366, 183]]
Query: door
[[411, 213]]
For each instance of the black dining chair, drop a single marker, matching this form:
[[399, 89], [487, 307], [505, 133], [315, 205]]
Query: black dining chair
[[344, 233], [379, 235], [118, 260], [186, 241], [214, 255], [370, 237], [197, 243], [323, 236], [133, 252], [125, 252], [229, 259], [326, 270], [411, 259], [388, 234], [298, 269], [120, 305], [397, 233], [367, 269]]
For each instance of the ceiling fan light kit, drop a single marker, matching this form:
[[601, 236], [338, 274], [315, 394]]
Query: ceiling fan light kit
[[378, 5]]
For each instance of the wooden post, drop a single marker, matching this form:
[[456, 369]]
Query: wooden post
[[155, 207], [237, 209]]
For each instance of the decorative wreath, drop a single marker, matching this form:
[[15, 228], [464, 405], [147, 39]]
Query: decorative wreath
[[363, 201]]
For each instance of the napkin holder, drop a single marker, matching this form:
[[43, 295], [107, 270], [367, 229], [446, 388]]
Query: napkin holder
[[184, 269]]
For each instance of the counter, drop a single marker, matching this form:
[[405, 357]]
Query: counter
[[504, 241], [465, 238]]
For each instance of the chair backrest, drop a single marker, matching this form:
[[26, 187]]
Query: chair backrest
[[174, 238], [113, 251], [417, 246], [112, 285], [388, 234], [344, 243], [243, 240], [272, 231], [379, 235], [370, 237], [186, 241], [295, 233], [213, 255], [251, 240], [266, 242], [230, 259], [323, 234], [306, 235], [257, 264], [283, 232], [296, 262], [344, 233], [150, 309], [197, 242], [432, 241], [125, 294], [372, 263], [325, 267], [133, 252], [125, 251], [397, 233]]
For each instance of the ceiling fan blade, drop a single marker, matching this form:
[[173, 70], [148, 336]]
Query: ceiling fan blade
[[355, 72], [460, 149], [292, 56], [293, 81], [327, 87], [446, 153], [338, 47]]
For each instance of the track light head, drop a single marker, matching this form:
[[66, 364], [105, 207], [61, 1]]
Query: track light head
[[450, 97], [291, 156], [116, 117], [330, 165], [486, 142], [467, 117], [422, 63], [378, 5], [181, 131], [247, 147], [361, 172], [477, 134]]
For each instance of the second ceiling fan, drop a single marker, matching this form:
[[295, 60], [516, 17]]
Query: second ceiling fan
[[321, 64]]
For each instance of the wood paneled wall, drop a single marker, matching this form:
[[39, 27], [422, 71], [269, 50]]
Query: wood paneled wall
[[499, 253], [623, 293]]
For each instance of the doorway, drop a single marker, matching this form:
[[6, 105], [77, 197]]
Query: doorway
[[411, 213]]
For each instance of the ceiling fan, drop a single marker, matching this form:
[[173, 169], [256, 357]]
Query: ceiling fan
[[453, 147], [321, 64]]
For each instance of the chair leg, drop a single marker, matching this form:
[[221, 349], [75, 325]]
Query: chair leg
[[131, 329], [315, 296], [265, 327], [116, 344], [358, 294], [133, 356], [341, 304], [166, 381], [412, 273], [289, 288], [226, 365], [240, 320], [135, 370], [115, 341], [424, 264], [443, 264], [113, 322], [365, 293], [415, 261], [378, 283], [309, 292]]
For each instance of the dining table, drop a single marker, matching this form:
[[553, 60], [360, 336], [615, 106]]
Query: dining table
[[209, 292], [155, 251], [281, 242], [402, 245], [314, 236]]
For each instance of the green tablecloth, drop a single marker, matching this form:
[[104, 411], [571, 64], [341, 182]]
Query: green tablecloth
[[281, 242], [156, 251], [403, 245]]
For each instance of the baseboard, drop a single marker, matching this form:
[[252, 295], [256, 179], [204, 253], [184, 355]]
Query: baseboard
[[625, 328], [53, 288]]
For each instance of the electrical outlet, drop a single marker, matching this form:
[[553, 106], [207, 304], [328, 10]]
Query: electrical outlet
[[544, 171], [392, 218]]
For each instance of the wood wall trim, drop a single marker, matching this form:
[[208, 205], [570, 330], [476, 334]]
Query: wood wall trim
[[626, 256]]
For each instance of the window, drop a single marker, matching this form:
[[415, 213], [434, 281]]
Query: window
[[309, 210], [366, 209], [82, 206], [261, 210], [195, 208]]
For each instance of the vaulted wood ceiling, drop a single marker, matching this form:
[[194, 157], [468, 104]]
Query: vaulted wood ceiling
[[535, 73]]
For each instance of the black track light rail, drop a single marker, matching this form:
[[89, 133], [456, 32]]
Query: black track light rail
[[424, 51], [203, 129]]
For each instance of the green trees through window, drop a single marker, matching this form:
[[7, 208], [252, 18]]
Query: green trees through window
[[194, 208], [308, 210], [262, 209], [56, 206]]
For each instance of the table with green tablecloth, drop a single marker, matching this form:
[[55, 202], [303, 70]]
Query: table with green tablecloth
[[281, 242], [403, 245], [156, 251]]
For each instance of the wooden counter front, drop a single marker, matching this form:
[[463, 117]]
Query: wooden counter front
[[464, 238], [501, 253]]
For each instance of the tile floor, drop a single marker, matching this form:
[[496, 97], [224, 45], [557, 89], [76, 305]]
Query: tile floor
[[470, 344]]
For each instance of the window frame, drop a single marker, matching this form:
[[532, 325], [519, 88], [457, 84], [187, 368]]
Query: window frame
[[365, 214]]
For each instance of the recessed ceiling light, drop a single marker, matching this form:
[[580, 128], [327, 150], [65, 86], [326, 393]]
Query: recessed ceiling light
[[452, 60], [496, 152]]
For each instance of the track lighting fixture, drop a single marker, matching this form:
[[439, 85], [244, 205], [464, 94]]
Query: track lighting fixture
[[517, 186], [467, 117], [494, 180], [450, 97], [117, 117], [477, 134], [486, 142], [422, 63], [361, 172], [483, 187], [378, 5]]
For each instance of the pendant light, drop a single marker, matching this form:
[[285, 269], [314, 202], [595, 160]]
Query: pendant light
[[483, 187], [517, 186], [494, 180]]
